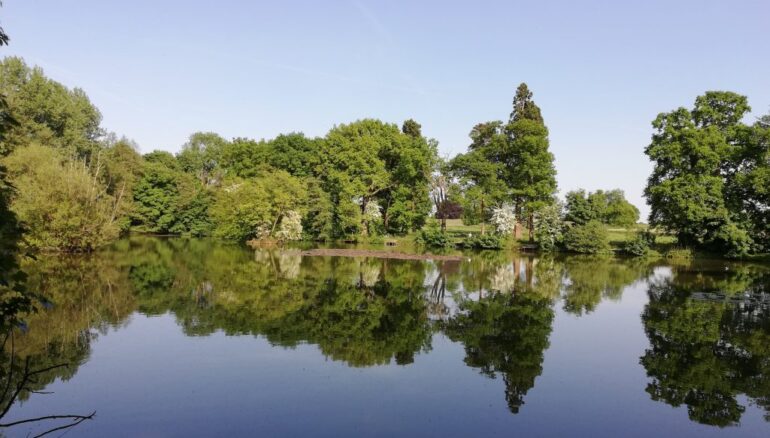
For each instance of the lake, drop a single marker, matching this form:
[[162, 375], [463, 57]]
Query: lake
[[185, 337]]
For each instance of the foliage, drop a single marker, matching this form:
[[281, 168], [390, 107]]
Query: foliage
[[503, 219], [47, 112], [167, 200], [531, 174], [590, 238], [709, 183], [256, 208], [608, 207], [369, 160], [433, 237], [679, 254], [708, 354], [505, 335], [76, 213], [201, 157], [549, 227], [290, 227], [640, 245]]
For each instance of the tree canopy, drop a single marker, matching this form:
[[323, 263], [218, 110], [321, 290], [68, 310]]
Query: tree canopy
[[709, 185]]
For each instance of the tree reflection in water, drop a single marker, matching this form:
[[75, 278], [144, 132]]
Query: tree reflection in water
[[709, 335], [705, 348]]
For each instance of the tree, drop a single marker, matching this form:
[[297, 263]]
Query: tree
[[167, 200], [531, 174], [440, 187], [579, 210], [480, 174], [123, 168], [369, 160], [47, 112], [703, 187], [294, 153], [608, 207], [76, 213], [201, 156], [254, 208]]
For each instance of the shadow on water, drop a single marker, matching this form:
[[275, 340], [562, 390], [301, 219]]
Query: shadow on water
[[708, 327]]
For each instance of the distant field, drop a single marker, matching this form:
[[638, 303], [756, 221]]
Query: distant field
[[617, 235], [458, 226]]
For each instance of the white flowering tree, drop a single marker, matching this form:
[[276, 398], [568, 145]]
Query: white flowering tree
[[503, 219], [290, 227], [372, 215], [549, 226]]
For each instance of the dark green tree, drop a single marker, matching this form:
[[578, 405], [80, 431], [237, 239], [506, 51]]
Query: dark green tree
[[708, 185], [531, 174]]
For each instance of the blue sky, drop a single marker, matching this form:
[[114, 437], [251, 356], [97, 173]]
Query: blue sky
[[600, 70]]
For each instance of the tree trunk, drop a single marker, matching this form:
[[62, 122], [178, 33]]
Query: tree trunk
[[364, 222], [518, 225], [531, 220]]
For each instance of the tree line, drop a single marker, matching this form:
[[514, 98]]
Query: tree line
[[368, 178]]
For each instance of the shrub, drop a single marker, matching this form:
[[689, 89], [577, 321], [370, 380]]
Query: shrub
[[433, 237], [484, 241], [590, 238], [679, 254], [640, 244]]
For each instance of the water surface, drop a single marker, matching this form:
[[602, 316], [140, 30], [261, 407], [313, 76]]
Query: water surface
[[176, 337]]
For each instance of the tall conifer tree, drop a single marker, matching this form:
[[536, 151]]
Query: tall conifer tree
[[531, 174]]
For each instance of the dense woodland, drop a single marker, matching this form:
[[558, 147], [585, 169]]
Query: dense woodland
[[75, 187]]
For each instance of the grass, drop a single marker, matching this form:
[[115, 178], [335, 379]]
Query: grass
[[457, 226]]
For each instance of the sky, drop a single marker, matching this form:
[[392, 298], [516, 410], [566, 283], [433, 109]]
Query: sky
[[600, 70]]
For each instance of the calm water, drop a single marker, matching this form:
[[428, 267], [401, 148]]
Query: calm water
[[194, 338]]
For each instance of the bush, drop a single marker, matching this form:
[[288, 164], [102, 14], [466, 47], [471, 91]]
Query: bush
[[640, 245], [679, 254], [485, 241], [590, 238], [63, 202], [433, 237], [549, 227]]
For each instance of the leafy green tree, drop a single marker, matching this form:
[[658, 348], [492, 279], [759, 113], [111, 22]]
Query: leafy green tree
[[245, 158], [479, 174], [703, 187], [579, 210], [165, 158], [201, 156], [123, 168], [608, 207], [254, 208], [294, 153], [76, 213], [14, 298], [47, 112], [369, 160], [167, 200]]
